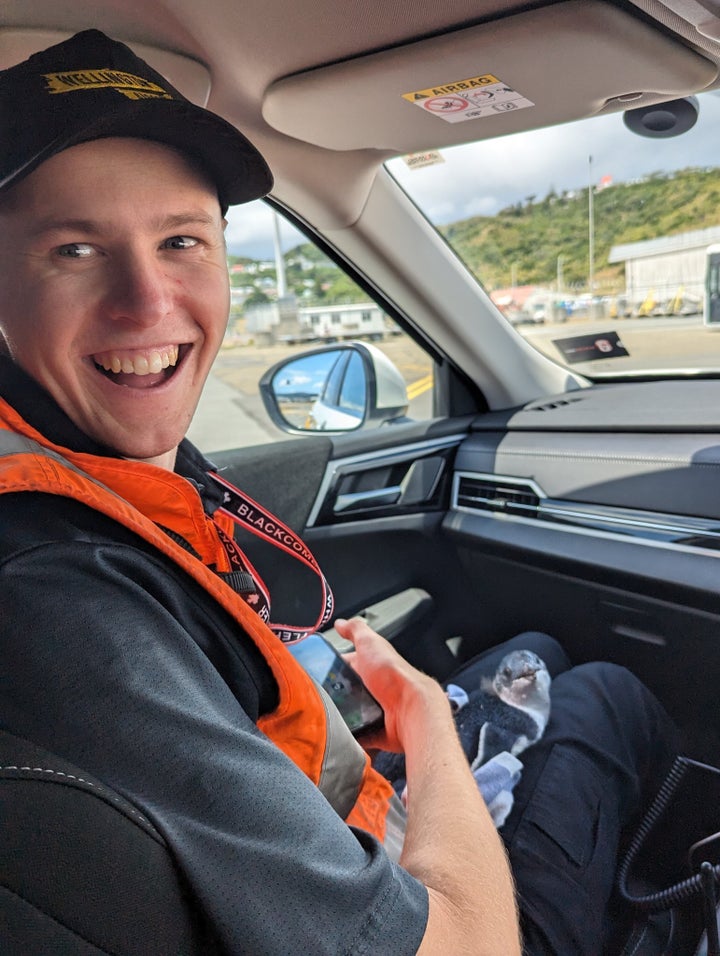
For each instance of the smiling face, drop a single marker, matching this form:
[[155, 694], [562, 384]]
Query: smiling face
[[114, 292]]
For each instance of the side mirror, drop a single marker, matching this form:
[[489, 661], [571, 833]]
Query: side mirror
[[338, 388]]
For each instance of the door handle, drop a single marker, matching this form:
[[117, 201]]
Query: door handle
[[418, 485], [367, 499]]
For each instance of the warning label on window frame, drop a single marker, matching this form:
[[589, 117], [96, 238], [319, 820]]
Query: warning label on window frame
[[473, 98]]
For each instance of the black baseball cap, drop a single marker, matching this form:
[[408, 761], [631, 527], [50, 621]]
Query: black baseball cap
[[91, 87]]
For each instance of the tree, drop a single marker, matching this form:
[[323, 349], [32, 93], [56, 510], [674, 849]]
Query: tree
[[257, 297]]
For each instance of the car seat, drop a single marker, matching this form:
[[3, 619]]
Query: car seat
[[82, 871]]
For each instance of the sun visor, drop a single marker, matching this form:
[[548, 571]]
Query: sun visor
[[189, 76], [532, 69]]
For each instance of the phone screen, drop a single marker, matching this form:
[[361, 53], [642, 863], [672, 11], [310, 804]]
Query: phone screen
[[359, 709]]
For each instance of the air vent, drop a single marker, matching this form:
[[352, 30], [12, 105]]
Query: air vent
[[549, 406], [484, 493]]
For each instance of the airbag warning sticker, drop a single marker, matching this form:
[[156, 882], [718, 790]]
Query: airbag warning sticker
[[469, 99]]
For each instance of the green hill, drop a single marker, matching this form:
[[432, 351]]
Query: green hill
[[525, 240]]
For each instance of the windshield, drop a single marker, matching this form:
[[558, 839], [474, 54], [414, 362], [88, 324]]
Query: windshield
[[600, 246]]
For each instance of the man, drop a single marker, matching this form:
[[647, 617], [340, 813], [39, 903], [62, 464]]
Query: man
[[128, 645]]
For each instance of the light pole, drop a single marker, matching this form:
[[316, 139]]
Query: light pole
[[279, 261], [560, 280], [591, 231]]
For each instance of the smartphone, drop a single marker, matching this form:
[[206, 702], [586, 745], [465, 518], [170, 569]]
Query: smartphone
[[359, 709]]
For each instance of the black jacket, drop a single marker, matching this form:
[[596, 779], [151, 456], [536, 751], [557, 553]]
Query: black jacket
[[111, 657]]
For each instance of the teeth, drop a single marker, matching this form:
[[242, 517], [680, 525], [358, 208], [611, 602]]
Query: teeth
[[146, 363]]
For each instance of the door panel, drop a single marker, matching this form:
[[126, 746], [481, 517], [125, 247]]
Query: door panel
[[283, 476], [447, 570], [376, 547]]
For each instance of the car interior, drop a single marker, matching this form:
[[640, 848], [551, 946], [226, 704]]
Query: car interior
[[532, 493]]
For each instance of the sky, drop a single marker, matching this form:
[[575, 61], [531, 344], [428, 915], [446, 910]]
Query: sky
[[482, 178], [250, 231]]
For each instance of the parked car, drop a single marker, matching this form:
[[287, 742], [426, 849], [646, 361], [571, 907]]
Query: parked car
[[518, 476]]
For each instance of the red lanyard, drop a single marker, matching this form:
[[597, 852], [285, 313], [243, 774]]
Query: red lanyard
[[254, 518]]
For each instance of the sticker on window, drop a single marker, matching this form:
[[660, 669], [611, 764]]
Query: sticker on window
[[419, 160], [585, 348], [468, 99]]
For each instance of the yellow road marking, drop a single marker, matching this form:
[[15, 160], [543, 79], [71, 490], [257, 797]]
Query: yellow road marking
[[417, 388]]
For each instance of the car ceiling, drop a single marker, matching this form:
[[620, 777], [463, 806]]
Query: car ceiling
[[318, 85]]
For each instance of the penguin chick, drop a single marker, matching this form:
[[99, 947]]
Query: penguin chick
[[509, 712]]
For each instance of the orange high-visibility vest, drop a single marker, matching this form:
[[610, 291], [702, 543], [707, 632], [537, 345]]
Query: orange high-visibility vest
[[306, 726]]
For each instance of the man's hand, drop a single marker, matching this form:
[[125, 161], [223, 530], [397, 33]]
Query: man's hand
[[451, 844], [397, 686]]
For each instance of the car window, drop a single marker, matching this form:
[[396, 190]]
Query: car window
[[594, 242], [288, 297]]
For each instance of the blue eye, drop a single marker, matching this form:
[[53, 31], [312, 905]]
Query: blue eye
[[75, 250], [180, 242]]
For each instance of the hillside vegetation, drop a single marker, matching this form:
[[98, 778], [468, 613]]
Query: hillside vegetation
[[310, 276], [524, 241]]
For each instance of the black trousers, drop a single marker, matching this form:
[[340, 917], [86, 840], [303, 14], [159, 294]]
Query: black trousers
[[605, 751]]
